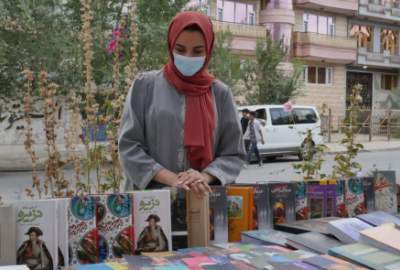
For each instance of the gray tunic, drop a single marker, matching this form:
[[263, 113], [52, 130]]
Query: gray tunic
[[151, 133]]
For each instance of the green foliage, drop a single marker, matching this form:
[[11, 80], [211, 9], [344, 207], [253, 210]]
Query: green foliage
[[265, 82], [346, 166], [312, 155], [45, 35], [224, 65]]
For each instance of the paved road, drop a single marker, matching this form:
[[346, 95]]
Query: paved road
[[13, 183]]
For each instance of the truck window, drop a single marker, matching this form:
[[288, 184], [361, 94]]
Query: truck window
[[304, 116], [280, 117]]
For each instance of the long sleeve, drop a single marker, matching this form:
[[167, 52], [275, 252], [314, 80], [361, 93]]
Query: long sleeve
[[139, 167], [230, 154]]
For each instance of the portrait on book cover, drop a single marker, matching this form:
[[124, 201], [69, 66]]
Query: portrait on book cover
[[33, 252], [152, 238], [235, 207]]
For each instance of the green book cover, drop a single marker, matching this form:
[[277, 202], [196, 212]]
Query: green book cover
[[367, 256]]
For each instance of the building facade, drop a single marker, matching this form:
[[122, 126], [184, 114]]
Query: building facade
[[340, 43]]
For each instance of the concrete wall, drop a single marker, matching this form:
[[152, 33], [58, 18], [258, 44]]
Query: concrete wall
[[332, 95]]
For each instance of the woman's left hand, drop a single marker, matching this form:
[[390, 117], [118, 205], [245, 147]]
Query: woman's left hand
[[196, 181]]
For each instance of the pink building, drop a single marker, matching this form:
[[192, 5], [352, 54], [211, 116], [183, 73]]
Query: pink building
[[340, 42]]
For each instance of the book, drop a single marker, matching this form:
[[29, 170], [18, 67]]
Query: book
[[240, 211], [302, 209], [265, 237], [341, 210], [379, 218], [14, 267], [295, 265], [62, 231], [327, 262], [198, 211], [385, 237], [319, 225], [347, 230], [369, 193], [322, 198], [313, 241], [36, 234], [114, 226], [283, 202], [262, 215], [7, 235], [178, 219], [385, 191], [367, 256], [218, 215], [152, 220], [82, 230], [354, 197]]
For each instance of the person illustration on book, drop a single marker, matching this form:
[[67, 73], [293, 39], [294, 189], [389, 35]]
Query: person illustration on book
[[33, 252], [180, 126], [152, 238]]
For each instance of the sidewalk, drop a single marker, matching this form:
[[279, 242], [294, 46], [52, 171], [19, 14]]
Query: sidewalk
[[373, 146], [15, 158]]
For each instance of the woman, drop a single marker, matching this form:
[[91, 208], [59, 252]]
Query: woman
[[180, 126]]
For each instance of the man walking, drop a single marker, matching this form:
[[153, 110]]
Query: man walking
[[254, 135], [244, 121]]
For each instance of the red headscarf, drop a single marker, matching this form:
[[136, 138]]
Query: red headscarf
[[199, 115]]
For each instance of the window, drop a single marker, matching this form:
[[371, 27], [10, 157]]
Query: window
[[236, 12], [323, 25], [279, 117], [320, 75], [388, 81], [304, 116]]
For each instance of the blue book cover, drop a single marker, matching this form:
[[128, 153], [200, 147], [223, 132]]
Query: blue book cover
[[379, 218], [347, 230]]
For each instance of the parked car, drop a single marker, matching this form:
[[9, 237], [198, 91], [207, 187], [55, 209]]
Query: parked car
[[284, 132]]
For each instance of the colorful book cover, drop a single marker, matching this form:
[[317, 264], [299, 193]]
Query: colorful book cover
[[152, 220], [82, 230], [341, 210], [302, 210], [316, 199], [367, 256], [262, 214], [369, 193], [218, 215], [178, 219], [354, 197], [7, 235], [240, 211], [114, 226], [385, 191], [62, 229], [36, 232], [283, 202]]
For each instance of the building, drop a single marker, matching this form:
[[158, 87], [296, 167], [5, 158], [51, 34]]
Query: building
[[340, 42]]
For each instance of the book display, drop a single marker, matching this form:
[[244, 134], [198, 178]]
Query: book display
[[142, 228], [385, 191]]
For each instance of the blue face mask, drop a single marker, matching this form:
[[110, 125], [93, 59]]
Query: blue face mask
[[188, 66]]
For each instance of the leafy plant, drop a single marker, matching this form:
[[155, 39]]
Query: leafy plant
[[312, 156], [346, 166]]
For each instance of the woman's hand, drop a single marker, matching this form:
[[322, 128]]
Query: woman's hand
[[195, 181]]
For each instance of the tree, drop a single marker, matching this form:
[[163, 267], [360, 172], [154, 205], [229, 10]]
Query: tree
[[224, 65], [265, 82]]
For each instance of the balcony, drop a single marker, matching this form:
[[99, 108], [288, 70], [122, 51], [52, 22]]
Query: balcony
[[245, 36], [332, 49], [385, 60], [380, 10], [345, 7]]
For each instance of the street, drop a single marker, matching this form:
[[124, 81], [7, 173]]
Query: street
[[13, 183]]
